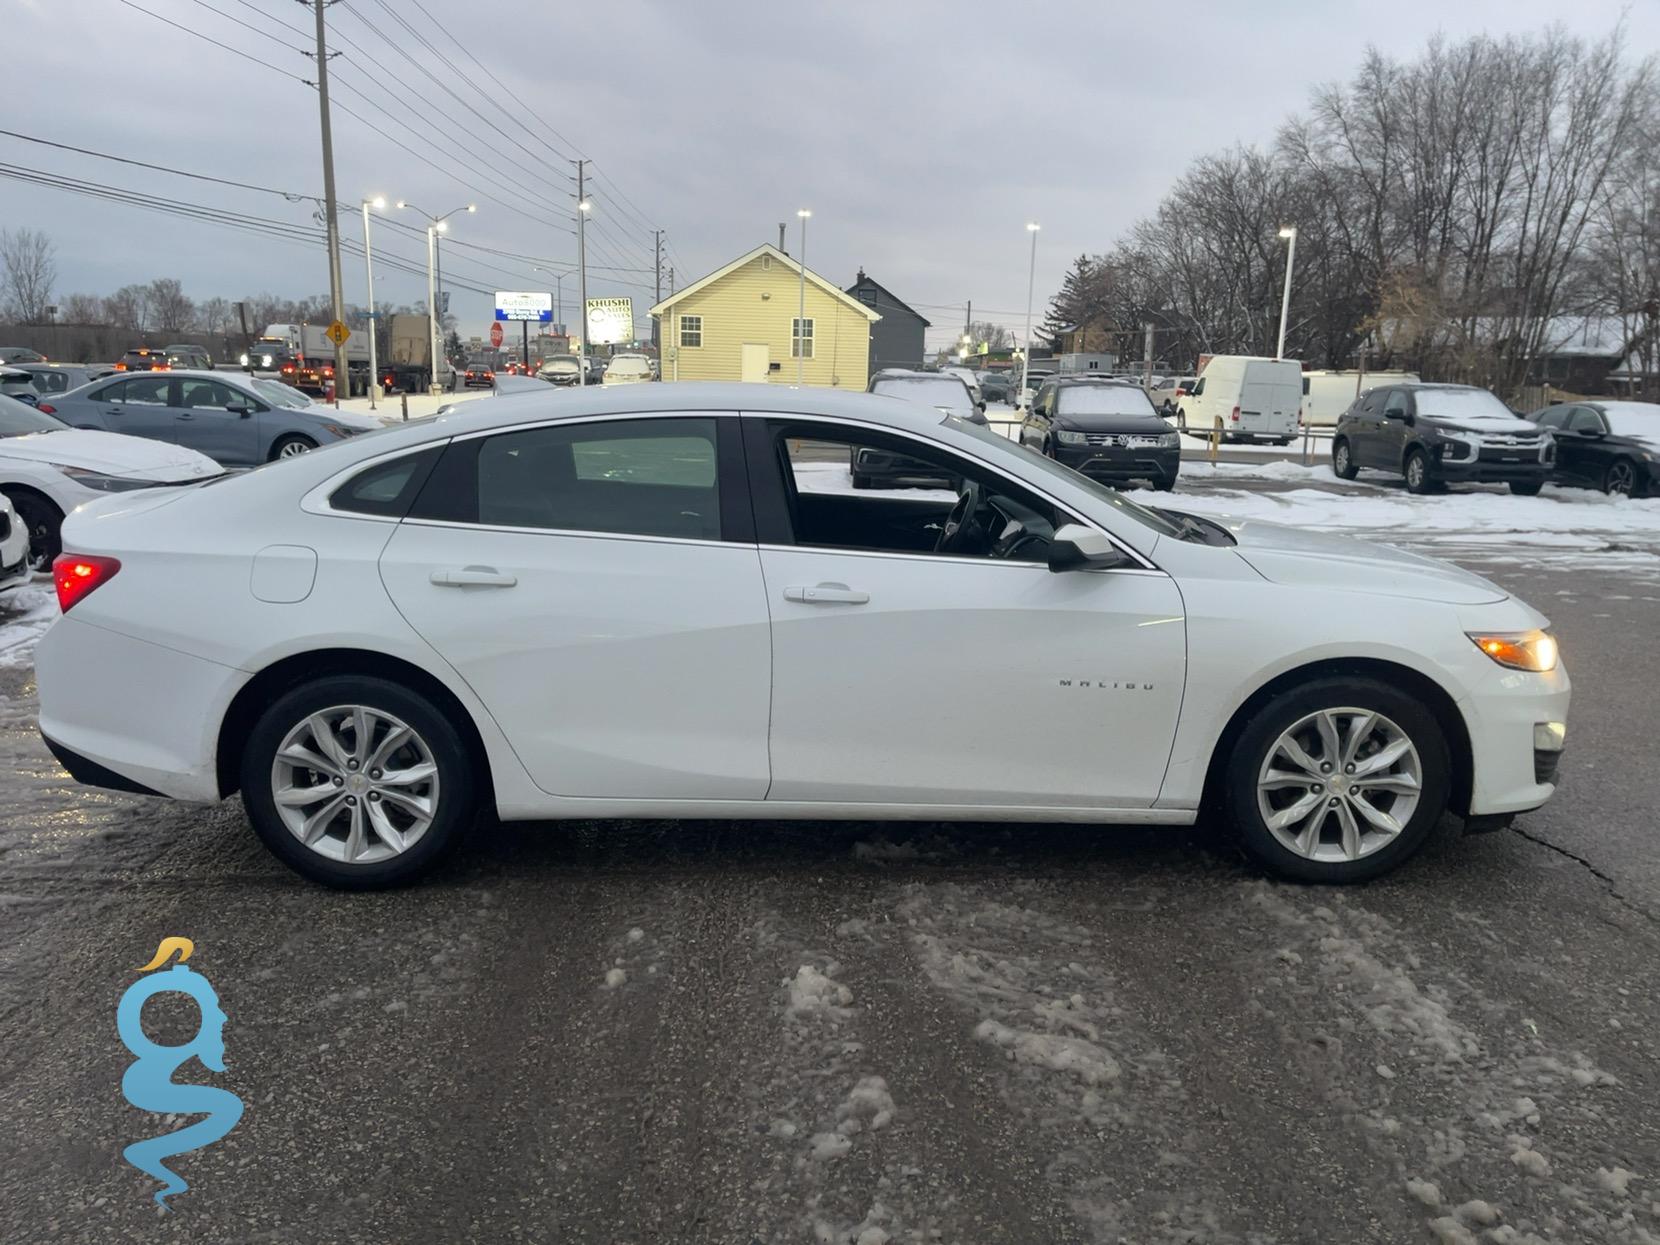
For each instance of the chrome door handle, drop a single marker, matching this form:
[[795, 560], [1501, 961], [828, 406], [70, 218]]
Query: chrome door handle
[[473, 577], [827, 594]]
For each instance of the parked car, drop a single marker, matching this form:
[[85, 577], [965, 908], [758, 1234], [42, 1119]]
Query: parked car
[[1108, 430], [1027, 383], [871, 466], [14, 546], [1257, 399], [48, 469], [997, 386], [1610, 445], [237, 420], [20, 354], [372, 686], [143, 359], [628, 369], [267, 356], [52, 378], [1168, 396], [478, 374], [565, 369], [183, 354], [967, 376], [19, 384], [1432, 435]]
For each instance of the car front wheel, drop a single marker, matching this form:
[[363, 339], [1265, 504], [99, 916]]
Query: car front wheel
[[357, 782], [1342, 461], [288, 447], [1339, 780], [44, 522], [1621, 478], [1417, 472]]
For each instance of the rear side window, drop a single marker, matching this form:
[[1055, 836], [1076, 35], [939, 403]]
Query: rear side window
[[387, 488]]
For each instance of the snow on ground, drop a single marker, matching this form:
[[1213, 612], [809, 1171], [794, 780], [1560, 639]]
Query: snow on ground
[[25, 613]]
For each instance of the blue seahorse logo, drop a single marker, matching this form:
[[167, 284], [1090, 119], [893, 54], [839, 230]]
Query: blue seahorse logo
[[148, 1083]]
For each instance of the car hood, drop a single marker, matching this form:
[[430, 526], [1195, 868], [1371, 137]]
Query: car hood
[[345, 419], [1292, 556], [112, 453]]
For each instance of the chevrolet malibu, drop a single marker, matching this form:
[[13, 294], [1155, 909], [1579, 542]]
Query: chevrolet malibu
[[666, 601]]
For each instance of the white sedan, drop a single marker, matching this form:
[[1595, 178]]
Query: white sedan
[[48, 468], [14, 547], [635, 603]]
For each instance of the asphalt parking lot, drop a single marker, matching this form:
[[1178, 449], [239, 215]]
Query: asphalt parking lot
[[736, 1032]]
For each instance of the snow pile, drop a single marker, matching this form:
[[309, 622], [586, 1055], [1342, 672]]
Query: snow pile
[[615, 977], [25, 613], [816, 994], [869, 1105], [1527, 1158], [1617, 1180], [1069, 1055], [827, 1146]]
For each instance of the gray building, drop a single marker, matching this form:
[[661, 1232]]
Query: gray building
[[895, 339]]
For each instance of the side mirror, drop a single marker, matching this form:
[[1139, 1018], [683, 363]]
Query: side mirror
[[1395, 412], [240, 408], [1078, 548]]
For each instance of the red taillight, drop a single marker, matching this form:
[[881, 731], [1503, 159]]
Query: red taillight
[[328, 371], [76, 574], [161, 367], [288, 369], [121, 367], [46, 408], [1235, 415]]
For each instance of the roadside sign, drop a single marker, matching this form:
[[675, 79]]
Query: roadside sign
[[610, 321], [524, 305], [337, 333], [495, 334]]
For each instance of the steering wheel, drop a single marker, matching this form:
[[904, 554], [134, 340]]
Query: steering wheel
[[957, 524]]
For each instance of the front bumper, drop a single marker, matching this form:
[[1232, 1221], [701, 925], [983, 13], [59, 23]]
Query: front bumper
[[1100, 462], [1510, 774], [17, 573], [1485, 471]]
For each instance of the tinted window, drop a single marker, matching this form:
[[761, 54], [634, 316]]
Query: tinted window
[[386, 488], [1555, 417], [648, 477]]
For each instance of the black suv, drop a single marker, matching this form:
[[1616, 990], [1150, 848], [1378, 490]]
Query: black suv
[[1439, 434], [1106, 429]]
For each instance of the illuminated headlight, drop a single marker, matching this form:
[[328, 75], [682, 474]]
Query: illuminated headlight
[[1520, 650], [1066, 437], [98, 480], [265, 360], [244, 360], [1169, 440]]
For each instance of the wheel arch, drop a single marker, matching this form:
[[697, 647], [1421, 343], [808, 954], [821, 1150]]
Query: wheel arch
[[21, 489], [300, 668], [1434, 697]]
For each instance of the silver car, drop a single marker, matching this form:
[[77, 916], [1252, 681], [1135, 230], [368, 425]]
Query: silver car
[[237, 421]]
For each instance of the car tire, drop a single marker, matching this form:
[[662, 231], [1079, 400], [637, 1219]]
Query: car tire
[[1342, 460], [1181, 419], [1164, 485], [289, 727], [860, 481], [289, 446], [45, 523], [1620, 478], [1344, 844], [1526, 488], [1416, 471]]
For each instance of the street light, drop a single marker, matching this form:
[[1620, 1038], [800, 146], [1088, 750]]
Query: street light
[[801, 314], [379, 204], [1289, 233], [435, 226], [584, 205], [1031, 280], [558, 290]]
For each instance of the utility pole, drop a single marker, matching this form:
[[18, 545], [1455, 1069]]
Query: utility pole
[[330, 216], [657, 255], [1147, 382], [582, 276]]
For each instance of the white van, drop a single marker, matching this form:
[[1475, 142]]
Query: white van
[[1257, 399], [1326, 395]]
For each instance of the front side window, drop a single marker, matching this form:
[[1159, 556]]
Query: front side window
[[801, 338], [1556, 417], [1584, 419], [646, 477], [691, 330], [209, 394]]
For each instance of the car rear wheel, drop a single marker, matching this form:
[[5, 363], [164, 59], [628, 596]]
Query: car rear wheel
[[45, 523], [1342, 460], [1621, 478], [1339, 780], [289, 446], [357, 782], [1417, 472]]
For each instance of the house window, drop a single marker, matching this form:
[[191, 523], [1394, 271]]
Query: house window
[[691, 330], [867, 295], [801, 339]]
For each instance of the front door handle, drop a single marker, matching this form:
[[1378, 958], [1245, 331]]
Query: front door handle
[[473, 577], [827, 594]]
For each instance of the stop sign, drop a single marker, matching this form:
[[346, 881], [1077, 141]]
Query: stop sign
[[495, 334]]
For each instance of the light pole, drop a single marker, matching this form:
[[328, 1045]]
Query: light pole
[[1031, 280], [379, 204], [1289, 233], [584, 205], [801, 315], [435, 226], [558, 291]]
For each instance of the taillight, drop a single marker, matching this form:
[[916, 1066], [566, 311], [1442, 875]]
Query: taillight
[[76, 574], [1235, 415], [46, 408], [121, 367], [328, 371]]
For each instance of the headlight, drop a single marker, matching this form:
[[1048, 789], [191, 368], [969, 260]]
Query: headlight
[[1170, 439], [98, 480], [244, 360], [1459, 447], [1520, 650], [340, 431], [1067, 437], [265, 360]]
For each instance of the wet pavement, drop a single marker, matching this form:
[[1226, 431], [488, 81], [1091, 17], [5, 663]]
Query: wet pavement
[[737, 1032]]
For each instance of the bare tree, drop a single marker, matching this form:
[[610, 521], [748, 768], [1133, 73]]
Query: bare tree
[[993, 336], [82, 309], [170, 309], [30, 269], [128, 308], [213, 315]]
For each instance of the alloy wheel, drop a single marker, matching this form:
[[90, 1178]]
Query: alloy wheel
[[1415, 472], [355, 784], [292, 449], [1622, 479], [1343, 458], [1339, 784]]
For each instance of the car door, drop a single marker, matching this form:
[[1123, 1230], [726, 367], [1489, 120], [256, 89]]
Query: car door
[[902, 676], [140, 407], [1569, 462], [1388, 445], [1034, 429], [214, 419], [1582, 452], [596, 583]]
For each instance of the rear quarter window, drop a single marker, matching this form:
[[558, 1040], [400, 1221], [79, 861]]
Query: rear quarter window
[[386, 489]]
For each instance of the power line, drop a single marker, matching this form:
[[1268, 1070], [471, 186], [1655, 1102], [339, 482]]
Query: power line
[[265, 64], [292, 196]]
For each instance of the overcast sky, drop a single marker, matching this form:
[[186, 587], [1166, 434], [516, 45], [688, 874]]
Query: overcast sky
[[923, 136]]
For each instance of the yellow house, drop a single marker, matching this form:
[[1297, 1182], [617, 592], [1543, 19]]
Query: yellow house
[[739, 323]]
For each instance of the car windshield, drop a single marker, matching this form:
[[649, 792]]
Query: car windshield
[[1463, 406], [1102, 400], [19, 419], [629, 363], [1118, 501], [1639, 420], [946, 394], [279, 394]]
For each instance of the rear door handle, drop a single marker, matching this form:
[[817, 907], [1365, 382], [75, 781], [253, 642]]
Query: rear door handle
[[827, 594], [473, 577]]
